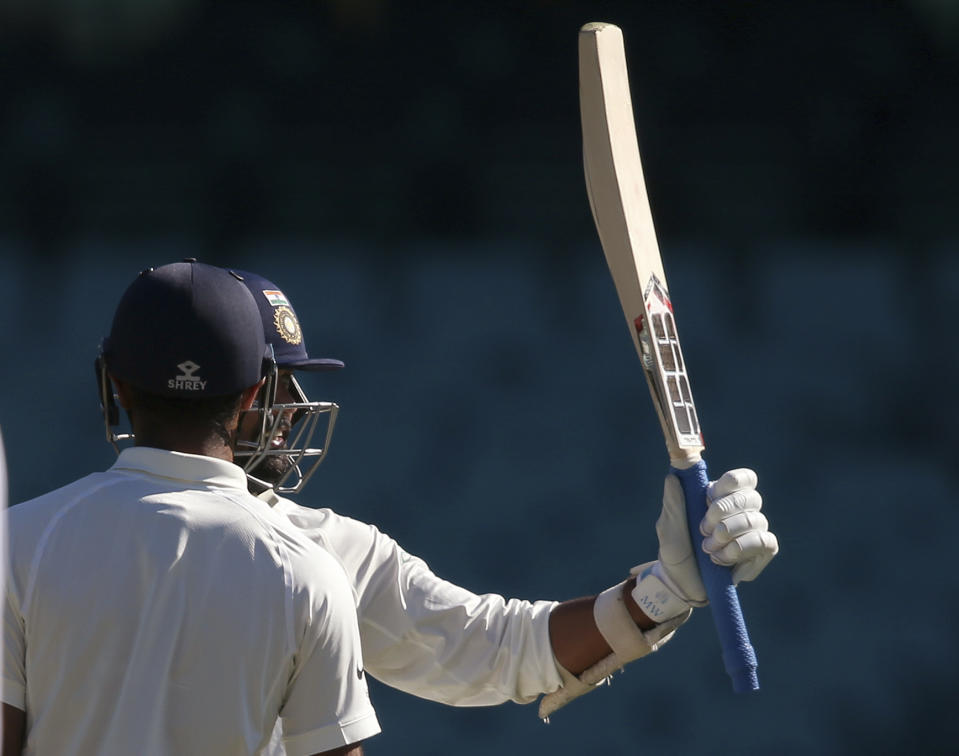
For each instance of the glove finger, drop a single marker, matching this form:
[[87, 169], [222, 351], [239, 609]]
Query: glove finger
[[735, 480], [674, 542], [747, 500], [738, 525], [746, 571], [752, 545]]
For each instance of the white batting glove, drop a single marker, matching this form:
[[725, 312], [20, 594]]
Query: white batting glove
[[736, 534]]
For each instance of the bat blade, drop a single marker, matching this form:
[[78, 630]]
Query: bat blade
[[617, 194]]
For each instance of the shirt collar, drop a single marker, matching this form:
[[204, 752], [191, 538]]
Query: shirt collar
[[191, 468]]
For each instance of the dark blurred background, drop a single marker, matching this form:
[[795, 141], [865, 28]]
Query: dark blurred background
[[410, 174]]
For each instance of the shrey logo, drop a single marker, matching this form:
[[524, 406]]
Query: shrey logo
[[187, 380]]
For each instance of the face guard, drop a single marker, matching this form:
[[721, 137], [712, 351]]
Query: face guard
[[109, 407], [266, 426], [286, 460]]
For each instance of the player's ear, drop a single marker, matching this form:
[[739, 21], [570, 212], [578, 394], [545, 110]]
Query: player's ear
[[250, 394]]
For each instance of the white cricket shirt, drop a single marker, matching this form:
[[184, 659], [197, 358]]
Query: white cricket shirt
[[159, 609], [426, 636]]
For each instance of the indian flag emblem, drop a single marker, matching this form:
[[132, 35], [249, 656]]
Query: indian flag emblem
[[275, 298]]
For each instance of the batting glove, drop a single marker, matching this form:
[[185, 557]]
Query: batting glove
[[736, 534]]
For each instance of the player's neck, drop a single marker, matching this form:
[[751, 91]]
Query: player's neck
[[211, 446]]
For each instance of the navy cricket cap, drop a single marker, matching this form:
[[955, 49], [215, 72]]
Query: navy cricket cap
[[281, 326], [187, 330]]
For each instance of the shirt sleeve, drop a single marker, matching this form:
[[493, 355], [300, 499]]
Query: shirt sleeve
[[327, 703], [439, 641], [426, 636]]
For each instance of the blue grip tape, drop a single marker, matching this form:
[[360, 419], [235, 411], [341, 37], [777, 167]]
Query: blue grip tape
[[739, 658]]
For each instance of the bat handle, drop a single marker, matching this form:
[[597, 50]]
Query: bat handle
[[739, 658]]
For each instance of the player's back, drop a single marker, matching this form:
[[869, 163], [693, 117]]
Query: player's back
[[161, 615]]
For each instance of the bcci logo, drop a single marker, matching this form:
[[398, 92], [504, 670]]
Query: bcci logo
[[187, 380], [287, 325]]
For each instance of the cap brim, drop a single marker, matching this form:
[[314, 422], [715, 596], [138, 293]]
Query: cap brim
[[315, 365]]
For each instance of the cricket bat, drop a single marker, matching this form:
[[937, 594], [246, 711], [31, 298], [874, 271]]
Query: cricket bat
[[617, 196]]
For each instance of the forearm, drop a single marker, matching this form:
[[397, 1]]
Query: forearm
[[594, 637], [577, 642], [356, 749], [14, 720]]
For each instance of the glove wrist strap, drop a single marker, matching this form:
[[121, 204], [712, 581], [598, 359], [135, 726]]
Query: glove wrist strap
[[617, 626], [657, 600]]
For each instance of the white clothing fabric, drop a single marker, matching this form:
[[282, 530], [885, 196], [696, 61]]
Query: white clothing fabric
[[424, 635], [159, 609]]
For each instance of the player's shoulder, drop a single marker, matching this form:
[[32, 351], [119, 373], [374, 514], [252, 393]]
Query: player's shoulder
[[30, 521], [49, 503], [315, 569], [354, 542], [319, 521]]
